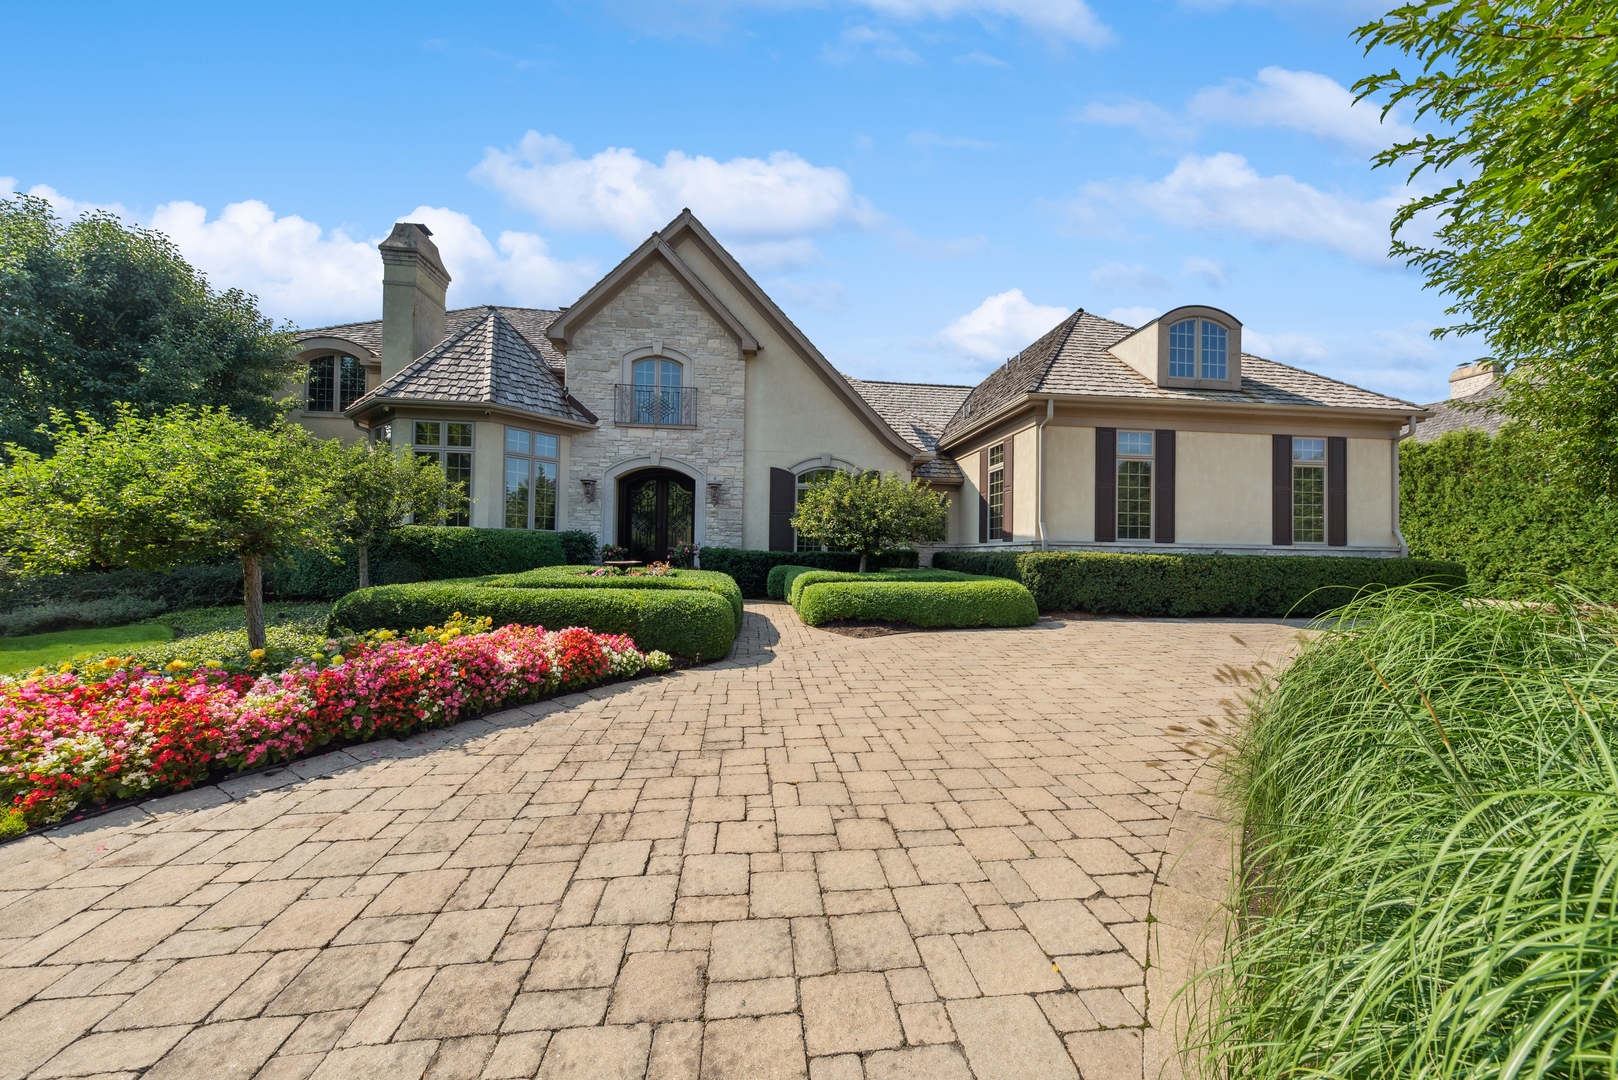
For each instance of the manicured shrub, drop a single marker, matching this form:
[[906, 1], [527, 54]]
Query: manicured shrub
[[982, 602], [417, 553], [578, 546], [583, 577], [113, 611], [751, 569], [1179, 585], [112, 598], [795, 580], [694, 623]]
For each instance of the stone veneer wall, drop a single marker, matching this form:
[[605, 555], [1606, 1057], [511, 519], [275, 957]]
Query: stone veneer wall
[[655, 308]]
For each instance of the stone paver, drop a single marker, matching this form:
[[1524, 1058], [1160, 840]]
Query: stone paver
[[989, 853]]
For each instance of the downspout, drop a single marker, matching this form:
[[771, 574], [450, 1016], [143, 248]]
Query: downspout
[[1404, 548], [1039, 454]]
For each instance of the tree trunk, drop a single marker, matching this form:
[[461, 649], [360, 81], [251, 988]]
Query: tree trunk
[[253, 600], [365, 564], [862, 562]]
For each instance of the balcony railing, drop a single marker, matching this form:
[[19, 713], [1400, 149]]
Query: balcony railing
[[656, 406]]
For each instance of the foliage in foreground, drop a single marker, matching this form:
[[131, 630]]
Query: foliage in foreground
[[936, 604], [1430, 886], [751, 568], [869, 512]]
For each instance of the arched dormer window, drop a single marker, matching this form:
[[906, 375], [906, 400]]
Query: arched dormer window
[[335, 382], [1199, 349]]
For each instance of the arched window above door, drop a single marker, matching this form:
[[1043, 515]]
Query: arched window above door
[[659, 393]]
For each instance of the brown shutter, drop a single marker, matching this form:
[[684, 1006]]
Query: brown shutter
[[783, 501], [1281, 490], [1337, 491], [1106, 484], [1163, 480], [1005, 492], [983, 496]]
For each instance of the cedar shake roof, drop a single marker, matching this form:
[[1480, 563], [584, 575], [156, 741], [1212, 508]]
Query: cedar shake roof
[[918, 412], [486, 362], [1452, 415], [1072, 360], [529, 322]]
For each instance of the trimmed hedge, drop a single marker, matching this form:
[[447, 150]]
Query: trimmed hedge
[[794, 578], [693, 623], [417, 553], [1111, 583], [751, 569], [576, 577], [579, 547], [980, 602]]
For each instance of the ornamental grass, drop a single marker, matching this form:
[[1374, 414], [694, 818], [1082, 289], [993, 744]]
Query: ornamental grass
[[86, 735], [1430, 868]]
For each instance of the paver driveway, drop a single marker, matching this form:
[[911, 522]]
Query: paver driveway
[[918, 856]]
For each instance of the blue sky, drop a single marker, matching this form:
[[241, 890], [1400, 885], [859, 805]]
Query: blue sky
[[924, 185]]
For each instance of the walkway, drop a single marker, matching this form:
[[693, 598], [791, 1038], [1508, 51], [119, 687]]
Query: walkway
[[930, 856]]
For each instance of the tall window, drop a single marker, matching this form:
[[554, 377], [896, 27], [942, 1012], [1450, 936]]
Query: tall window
[[802, 543], [530, 479], [1190, 358], [450, 444], [1183, 349], [659, 384], [335, 383], [1134, 485], [997, 491], [1214, 340], [1309, 491]]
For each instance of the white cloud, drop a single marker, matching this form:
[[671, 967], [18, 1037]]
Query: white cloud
[[1304, 101], [948, 142], [1071, 19], [1211, 272], [1151, 120], [981, 59], [1133, 316], [1116, 275], [1001, 326], [1224, 193], [746, 200], [857, 41], [516, 267]]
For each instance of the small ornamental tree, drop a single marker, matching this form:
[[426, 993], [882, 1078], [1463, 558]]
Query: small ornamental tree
[[869, 512], [153, 492], [377, 489]]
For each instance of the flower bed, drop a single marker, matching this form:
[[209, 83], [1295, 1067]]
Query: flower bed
[[113, 731]]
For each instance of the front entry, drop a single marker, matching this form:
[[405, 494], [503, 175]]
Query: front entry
[[656, 512]]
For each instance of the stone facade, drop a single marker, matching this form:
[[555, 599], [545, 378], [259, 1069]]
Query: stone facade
[[656, 315]]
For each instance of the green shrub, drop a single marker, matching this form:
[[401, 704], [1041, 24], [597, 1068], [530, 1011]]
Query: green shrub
[[1430, 812], [796, 579], [11, 823], [78, 615], [579, 547], [751, 569], [183, 587], [1178, 585], [983, 602], [1494, 506], [696, 623], [577, 577], [417, 553]]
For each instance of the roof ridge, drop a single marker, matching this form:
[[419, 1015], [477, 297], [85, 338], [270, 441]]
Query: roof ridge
[[1072, 321], [422, 362], [902, 382]]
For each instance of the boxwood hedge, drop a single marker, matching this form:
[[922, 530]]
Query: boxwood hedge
[[696, 623], [417, 553], [751, 569], [978, 602], [577, 577], [792, 579], [1116, 583]]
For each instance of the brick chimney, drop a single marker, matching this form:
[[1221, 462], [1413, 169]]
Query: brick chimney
[[413, 285], [1468, 379]]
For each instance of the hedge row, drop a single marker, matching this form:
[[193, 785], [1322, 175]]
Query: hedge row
[[693, 623], [1177, 585], [751, 569], [577, 577], [33, 605], [786, 581], [418, 553], [979, 602]]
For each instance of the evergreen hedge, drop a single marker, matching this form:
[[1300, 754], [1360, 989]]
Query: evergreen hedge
[[577, 577], [1490, 504], [751, 569], [579, 546], [786, 581], [417, 553], [973, 602], [1116, 583]]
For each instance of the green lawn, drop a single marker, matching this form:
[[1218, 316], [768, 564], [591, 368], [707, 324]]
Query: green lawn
[[32, 650]]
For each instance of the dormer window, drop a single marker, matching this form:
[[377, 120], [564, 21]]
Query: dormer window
[[1192, 348], [334, 383], [1187, 361]]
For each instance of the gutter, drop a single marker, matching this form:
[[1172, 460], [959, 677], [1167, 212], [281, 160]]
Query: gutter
[[1039, 481], [1398, 533]]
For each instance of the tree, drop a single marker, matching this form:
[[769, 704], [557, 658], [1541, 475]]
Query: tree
[[94, 313], [1526, 200], [869, 512], [153, 492], [379, 488]]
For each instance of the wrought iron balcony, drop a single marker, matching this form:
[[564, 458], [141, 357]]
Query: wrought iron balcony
[[656, 406]]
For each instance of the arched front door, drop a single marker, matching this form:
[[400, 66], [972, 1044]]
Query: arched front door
[[656, 512]]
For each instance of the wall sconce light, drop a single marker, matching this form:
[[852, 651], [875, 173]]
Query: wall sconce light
[[714, 488], [589, 488]]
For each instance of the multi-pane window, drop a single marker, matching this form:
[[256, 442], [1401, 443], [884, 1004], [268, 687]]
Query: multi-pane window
[[802, 543], [530, 479], [335, 383], [1134, 485], [1198, 348], [659, 385], [1214, 342], [1309, 491], [1183, 349], [450, 444], [997, 492]]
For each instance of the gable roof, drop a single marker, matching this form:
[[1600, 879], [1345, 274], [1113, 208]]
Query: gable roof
[[487, 362], [1071, 360], [918, 412], [531, 323], [1454, 415]]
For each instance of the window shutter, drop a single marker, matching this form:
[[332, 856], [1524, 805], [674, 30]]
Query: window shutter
[[983, 496], [1281, 491], [1005, 492], [783, 499], [1163, 480], [1337, 491], [1106, 484]]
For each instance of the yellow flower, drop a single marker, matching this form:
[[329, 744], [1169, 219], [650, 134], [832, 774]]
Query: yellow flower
[[67, 666], [214, 665], [175, 665], [257, 655], [38, 671], [111, 663]]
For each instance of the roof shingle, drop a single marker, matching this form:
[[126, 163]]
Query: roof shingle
[[918, 412], [1456, 415], [529, 322]]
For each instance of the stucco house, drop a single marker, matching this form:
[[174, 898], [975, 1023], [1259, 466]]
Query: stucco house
[[675, 402]]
